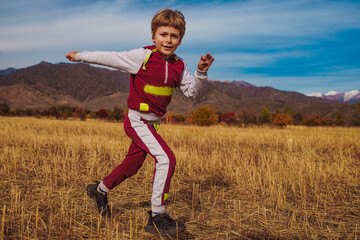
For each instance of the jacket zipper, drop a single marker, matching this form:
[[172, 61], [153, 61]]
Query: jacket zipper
[[166, 71]]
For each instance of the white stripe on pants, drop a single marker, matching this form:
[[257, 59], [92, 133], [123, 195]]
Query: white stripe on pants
[[162, 154]]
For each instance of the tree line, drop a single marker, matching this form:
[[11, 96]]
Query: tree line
[[208, 116], [203, 116], [65, 112]]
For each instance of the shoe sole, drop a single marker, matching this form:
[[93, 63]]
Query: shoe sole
[[153, 230], [106, 211]]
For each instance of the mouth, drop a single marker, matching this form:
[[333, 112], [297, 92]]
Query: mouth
[[167, 47]]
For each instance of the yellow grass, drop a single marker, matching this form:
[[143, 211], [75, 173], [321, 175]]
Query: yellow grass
[[230, 183]]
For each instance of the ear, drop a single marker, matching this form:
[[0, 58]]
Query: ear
[[153, 37]]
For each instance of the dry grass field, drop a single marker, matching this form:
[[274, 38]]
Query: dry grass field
[[230, 182]]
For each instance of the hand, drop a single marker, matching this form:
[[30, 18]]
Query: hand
[[71, 56], [205, 62]]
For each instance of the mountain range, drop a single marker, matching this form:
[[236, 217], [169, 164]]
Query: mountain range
[[7, 71], [350, 97], [45, 84]]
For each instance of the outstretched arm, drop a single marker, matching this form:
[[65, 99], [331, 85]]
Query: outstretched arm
[[205, 62], [129, 61], [191, 86]]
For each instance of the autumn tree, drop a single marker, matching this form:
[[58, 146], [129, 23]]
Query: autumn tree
[[264, 116], [36, 113], [45, 112], [102, 113], [117, 114], [4, 108], [298, 118], [316, 120], [228, 118], [67, 112], [282, 120], [247, 116], [19, 112], [179, 118], [28, 112], [54, 112], [80, 113], [289, 111], [203, 116]]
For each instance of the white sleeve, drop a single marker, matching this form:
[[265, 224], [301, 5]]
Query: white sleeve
[[189, 85], [129, 61]]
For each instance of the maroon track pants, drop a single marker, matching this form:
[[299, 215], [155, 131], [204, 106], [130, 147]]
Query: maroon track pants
[[145, 140]]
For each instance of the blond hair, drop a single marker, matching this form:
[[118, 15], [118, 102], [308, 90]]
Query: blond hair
[[169, 18]]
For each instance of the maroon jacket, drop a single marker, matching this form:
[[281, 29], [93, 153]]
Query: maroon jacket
[[151, 88], [153, 79]]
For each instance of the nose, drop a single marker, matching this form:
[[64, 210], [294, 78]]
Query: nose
[[168, 39]]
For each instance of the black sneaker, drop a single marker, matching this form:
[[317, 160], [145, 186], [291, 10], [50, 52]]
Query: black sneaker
[[163, 224], [100, 199]]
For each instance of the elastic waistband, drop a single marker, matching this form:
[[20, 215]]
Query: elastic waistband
[[150, 117]]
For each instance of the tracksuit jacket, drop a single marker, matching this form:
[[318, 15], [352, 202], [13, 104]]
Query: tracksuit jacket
[[153, 80]]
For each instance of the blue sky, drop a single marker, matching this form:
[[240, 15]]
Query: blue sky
[[296, 45]]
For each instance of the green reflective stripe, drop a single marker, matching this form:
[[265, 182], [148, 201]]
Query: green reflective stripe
[[166, 196], [156, 126], [176, 59], [160, 91], [147, 58], [144, 107]]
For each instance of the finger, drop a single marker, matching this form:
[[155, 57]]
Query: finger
[[209, 57], [206, 56], [209, 60]]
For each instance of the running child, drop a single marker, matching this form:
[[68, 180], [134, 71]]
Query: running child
[[155, 72]]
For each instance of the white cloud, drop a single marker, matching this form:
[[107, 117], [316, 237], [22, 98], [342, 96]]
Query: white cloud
[[263, 22], [93, 25]]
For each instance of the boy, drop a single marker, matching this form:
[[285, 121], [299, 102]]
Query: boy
[[155, 72]]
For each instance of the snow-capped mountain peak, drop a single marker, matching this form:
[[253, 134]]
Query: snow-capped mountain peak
[[349, 95], [331, 93], [315, 94]]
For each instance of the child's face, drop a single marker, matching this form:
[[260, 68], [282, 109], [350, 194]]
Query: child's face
[[166, 40]]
